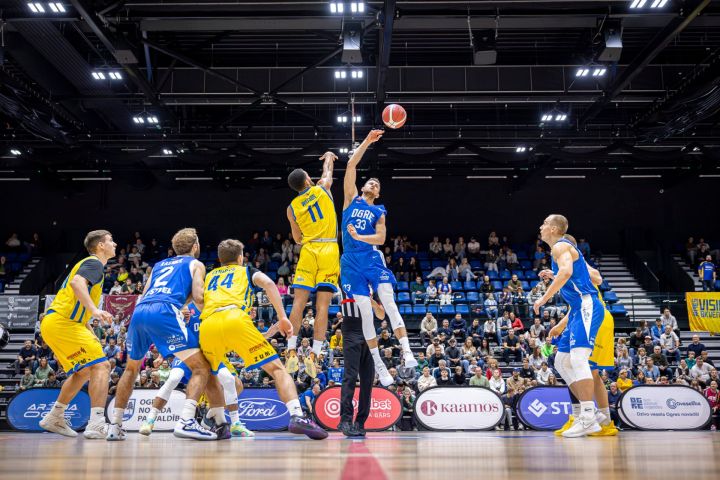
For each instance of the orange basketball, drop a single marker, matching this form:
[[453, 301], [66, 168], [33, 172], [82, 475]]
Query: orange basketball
[[394, 116]]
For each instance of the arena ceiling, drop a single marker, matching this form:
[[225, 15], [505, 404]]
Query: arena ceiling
[[247, 89]]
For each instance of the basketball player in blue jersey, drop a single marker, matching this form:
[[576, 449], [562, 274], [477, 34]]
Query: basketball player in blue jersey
[[362, 265], [157, 319], [180, 373], [573, 279]]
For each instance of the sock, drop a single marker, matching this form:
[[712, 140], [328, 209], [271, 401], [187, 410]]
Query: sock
[[97, 415], [606, 411], [153, 414], [218, 414], [292, 343], [405, 344], [234, 416], [117, 415], [317, 347], [188, 411], [576, 410], [293, 407], [587, 409], [59, 409]]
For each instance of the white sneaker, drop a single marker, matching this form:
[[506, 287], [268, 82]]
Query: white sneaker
[[600, 417], [96, 431], [115, 433], [410, 361], [57, 424], [582, 427], [147, 427], [192, 429]]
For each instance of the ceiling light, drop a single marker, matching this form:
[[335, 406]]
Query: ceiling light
[[152, 119], [36, 7], [138, 120], [342, 118], [337, 7], [520, 149], [15, 151], [582, 72], [115, 76], [653, 4], [167, 151], [98, 75], [357, 7], [357, 119], [343, 150]]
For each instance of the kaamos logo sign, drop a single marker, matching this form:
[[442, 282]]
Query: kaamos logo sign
[[454, 408]]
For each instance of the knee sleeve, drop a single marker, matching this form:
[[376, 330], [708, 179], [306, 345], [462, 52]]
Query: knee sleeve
[[562, 365], [366, 315], [579, 360], [176, 374], [387, 297], [227, 381]]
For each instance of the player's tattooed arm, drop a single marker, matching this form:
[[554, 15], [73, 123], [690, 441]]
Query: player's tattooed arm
[[327, 175]]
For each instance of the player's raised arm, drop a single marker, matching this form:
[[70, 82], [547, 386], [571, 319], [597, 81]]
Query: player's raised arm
[[327, 175], [294, 227], [377, 238], [561, 252], [349, 187]]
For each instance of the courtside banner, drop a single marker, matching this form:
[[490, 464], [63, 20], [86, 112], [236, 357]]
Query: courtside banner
[[385, 409], [665, 407], [120, 306], [140, 404], [458, 408], [262, 410], [703, 311], [27, 408], [544, 408]]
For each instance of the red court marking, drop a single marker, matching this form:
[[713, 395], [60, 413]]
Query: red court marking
[[361, 464]]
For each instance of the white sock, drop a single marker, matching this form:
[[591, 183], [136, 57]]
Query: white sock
[[294, 408], [375, 352], [576, 410], [97, 415], [218, 413], [606, 411], [59, 409], [117, 415], [317, 347], [587, 409], [234, 416], [188, 411], [292, 343], [153, 414], [405, 344]]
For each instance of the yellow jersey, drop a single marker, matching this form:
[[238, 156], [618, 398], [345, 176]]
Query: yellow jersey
[[314, 212], [66, 303], [229, 285]]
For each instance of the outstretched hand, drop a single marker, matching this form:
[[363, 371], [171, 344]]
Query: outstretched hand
[[374, 135], [329, 155]]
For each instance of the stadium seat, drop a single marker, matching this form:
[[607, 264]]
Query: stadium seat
[[618, 308], [402, 287], [493, 275], [419, 309], [447, 309], [462, 309], [521, 254], [437, 263], [406, 309], [333, 310], [525, 264], [525, 286], [505, 275], [403, 297], [459, 297], [433, 308], [605, 286], [497, 285], [476, 264], [610, 297], [473, 297], [273, 266], [272, 275], [425, 265], [531, 275], [456, 286], [519, 273], [422, 256], [467, 286]]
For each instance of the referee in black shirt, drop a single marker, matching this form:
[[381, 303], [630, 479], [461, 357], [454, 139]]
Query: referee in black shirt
[[358, 361]]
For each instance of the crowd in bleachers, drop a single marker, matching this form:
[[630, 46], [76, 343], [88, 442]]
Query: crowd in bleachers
[[704, 260], [14, 254]]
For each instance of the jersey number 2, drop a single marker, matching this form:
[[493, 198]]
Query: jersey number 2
[[164, 273], [316, 206]]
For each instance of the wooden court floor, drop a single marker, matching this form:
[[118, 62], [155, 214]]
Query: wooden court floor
[[388, 455]]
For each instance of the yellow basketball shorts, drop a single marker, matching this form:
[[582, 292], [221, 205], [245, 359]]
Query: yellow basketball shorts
[[603, 354], [319, 266], [232, 330], [75, 346]]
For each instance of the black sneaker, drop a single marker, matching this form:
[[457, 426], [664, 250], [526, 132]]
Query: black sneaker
[[305, 426], [360, 429], [348, 429], [221, 430]]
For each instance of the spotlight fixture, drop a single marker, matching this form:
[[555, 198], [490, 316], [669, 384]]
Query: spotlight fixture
[[653, 4], [357, 7], [167, 151], [342, 118], [15, 151], [337, 7], [582, 72], [38, 7], [343, 150], [56, 7], [143, 118], [98, 75], [594, 70], [340, 74], [115, 75], [343, 74], [520, 149], [554, 116]]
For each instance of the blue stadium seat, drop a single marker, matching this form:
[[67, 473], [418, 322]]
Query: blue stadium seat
[[521, 254], [610, 297], [462, 309], [497, 285], [419, 309], [437, 263], [425, 265], [493, 275], [476, 264], [469, 286], [421, 256], [525, 264], [531, 275], [333, 310], [456, 286], [273, 266], [433, 308], [405, 309], [605, 286], [447, 309], [403, 297], [459, 297], [525, 286], [618, 308], [473, 297], [272, 275], [505, 275], [402, 287]]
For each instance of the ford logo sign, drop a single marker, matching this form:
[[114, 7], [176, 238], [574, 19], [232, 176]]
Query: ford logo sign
[[261, 408]]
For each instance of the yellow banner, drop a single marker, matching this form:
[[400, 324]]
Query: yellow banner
[[704, 311]]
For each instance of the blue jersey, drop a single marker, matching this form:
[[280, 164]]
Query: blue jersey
[[193, 326], [707, 268], [579, 283], [363, 217], [171, 282]]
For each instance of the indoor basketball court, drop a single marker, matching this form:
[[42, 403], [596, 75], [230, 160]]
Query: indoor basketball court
[[359, 240]]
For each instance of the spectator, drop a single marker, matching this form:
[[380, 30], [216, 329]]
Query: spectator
[[701, 371], [703, 355], [479, 379], [422, 363], [417, 290], [491, 261], [656, 331], [452, 270], [623, 382], [511, 260], [445, 329], [408, 406], [445, 292], [514, 285], [504, 325], [400, 269], [458, 377], [465, 272], [486, 287], [448, 249], [310, 317], [426, 380], [42, 372], [53, 382], [453, 354], [623, 360], [509, 419], [690, 360], [431, 293], [435, 347], [335, 373], [497, 384], [713, 396], [111, 349], [511, 346], [682, 372], [537, 330], [668, 319], [307, 397], [584, 248], [428, 328], [386, 341], [473, 249], [116, 288], [306, 330], [491, 306], [490, 329], [650, 370], [543, 375], [547, 348], [27, 380], [336, 343], [505, 301], [26, 356], [458, 327], [670, 343], [475, 333], [388, 360], [527, 372], [614, 394], [695, 346], [660, 361], [707, 274], [516, 324]]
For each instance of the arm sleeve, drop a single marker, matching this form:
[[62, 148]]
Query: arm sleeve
[[92, 271]]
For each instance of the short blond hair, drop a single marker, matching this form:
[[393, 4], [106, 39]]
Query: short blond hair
[[229, 250], [183, 241], [560, 222], [93, 239]]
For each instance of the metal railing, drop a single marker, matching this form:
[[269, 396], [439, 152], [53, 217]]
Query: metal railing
[[673, 300]]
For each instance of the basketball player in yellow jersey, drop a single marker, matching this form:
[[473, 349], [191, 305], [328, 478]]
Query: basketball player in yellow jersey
[[67, 332], [225, 326], [314, 225]]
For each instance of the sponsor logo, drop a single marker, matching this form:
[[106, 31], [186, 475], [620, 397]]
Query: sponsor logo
[[636, 403], [665, 408], [27, 408], [39, 410], [537, 408], [129, 410], [141, 403], [428, 408], [673, 404], [171, 348], [385, 408], [459, 408], [261, 408]]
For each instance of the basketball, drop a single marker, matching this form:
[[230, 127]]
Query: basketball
[[394, 116]]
